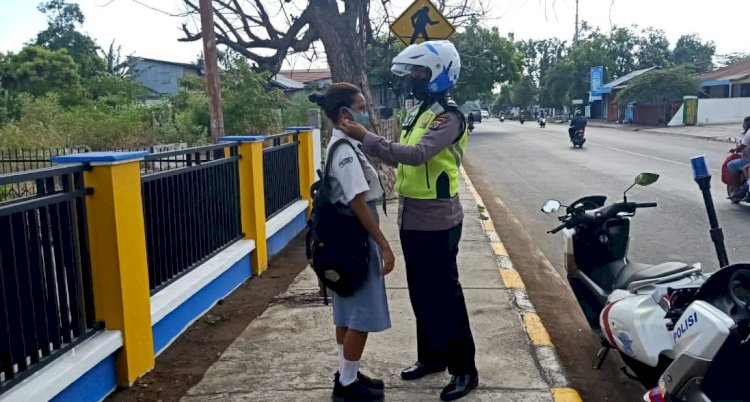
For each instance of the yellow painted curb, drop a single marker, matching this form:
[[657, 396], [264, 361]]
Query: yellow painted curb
[[536, 330], [565, 395], [488, 225], [511, 279], [499, 248]]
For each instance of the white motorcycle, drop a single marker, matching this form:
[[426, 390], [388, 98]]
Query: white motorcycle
[[668, 320]]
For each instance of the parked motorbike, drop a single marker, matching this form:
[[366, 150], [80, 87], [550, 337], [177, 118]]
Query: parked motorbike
[[579, 138], [542, 122], [624, 302], [673, 325]]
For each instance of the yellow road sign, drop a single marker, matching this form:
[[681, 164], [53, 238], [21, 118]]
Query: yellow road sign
[[421, 22]]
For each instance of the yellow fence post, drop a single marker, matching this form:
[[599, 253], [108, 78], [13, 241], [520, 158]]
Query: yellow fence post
[[306, 155], [119, 265], [252, 197]]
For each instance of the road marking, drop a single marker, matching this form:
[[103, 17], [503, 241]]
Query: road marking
[[647, 156], [499, 248], [536, 330], [565, 395], [657, 158], [511, 279], [544, 352]]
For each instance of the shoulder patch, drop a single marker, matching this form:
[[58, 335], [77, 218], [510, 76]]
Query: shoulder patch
[[346, 161], [440, 120]]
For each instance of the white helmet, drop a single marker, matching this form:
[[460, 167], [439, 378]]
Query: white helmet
[[440, 56]]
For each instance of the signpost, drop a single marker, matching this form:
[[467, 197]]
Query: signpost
[[421, 22]]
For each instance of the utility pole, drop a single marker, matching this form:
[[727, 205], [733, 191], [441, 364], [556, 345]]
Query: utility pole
[[212, 70], [575, 37]]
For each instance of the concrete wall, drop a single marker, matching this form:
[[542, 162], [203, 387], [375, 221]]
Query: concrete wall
[[718, 111]]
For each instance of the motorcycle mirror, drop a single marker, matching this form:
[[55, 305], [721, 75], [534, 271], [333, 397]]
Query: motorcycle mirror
[[646, 179], [551, 206]]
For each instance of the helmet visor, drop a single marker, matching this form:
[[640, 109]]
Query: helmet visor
[[401, 69]]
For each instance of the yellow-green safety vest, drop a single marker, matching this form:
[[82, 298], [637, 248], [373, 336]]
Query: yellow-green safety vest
[[421, 182]]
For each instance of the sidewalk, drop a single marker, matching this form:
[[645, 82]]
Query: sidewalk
[[289, 352], [715, 132]]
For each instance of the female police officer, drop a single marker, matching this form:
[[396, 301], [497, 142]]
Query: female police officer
[[433, 138]]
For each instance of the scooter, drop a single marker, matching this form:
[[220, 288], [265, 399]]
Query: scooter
[[737, 188], [502, 119], [579, 138], [542, 122], [638, 309], [521, 119], [471, 126]]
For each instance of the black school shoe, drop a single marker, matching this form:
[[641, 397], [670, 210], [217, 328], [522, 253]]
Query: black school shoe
[[373, 383], [460, 386], [355, 392]]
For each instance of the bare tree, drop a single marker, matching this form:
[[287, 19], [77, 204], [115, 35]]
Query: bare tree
[[267, 31]]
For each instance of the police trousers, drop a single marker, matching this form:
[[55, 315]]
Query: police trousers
[[444, 337]]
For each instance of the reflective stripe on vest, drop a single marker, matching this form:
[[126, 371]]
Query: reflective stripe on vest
[[424, 182]]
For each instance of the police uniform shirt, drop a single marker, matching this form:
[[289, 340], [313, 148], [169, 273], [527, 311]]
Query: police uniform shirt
[[352, 172]]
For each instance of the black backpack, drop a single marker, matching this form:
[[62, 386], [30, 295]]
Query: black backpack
[[337, 245]]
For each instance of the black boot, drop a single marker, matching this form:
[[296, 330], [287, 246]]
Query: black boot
[[355, 392]]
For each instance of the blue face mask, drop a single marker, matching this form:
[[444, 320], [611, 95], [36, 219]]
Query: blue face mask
[[362, 118]]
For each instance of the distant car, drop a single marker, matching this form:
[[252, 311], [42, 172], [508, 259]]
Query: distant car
[[485, 114], [477, 116]]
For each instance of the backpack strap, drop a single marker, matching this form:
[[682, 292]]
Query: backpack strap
[[329, 156]]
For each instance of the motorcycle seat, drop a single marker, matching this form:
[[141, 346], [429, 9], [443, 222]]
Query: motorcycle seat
[[634, 272]]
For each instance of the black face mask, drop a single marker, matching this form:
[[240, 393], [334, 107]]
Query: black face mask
[[419, 88]]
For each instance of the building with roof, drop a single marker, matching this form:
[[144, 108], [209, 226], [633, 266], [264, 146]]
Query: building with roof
[[312, 78], [609, 108], [727, 82], [161, 78]]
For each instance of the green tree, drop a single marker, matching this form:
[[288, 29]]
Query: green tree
[[732, 58], [555, 89], [114, 90], [696, 54], [61, 33], [660, 85], [653, 49], [37, 71], [621, 43], [487, 59], [523, 92]]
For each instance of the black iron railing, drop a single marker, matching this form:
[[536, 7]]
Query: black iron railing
[[191, 206], [280, 173], [46, 293]]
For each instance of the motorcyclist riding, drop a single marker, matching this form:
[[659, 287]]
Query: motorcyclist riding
[[578, 122], [736, 166]]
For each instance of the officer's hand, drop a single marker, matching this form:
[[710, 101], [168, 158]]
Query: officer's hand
[[353, 129], [389, 260]]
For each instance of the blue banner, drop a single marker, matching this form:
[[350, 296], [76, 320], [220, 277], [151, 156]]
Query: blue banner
[[597, 78]]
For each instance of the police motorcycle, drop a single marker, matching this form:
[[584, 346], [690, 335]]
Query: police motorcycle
[[673, 325]]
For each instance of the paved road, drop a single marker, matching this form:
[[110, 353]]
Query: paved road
[[517, 168], [528, 165]]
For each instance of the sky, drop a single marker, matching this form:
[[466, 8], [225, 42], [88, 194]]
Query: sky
[[148, 33]]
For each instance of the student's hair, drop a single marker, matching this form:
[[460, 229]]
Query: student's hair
[[338, 95]]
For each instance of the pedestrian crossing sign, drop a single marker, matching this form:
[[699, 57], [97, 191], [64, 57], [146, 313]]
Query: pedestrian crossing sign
[[422, 21]]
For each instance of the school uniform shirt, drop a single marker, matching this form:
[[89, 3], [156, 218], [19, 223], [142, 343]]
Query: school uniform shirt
[[352, 172]]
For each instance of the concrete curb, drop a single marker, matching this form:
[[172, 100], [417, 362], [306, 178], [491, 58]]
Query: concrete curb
[[545, 354]]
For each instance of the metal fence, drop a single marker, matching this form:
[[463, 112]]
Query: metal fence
[[46, 298], [191, 207], [25, 159], [280, 173]]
